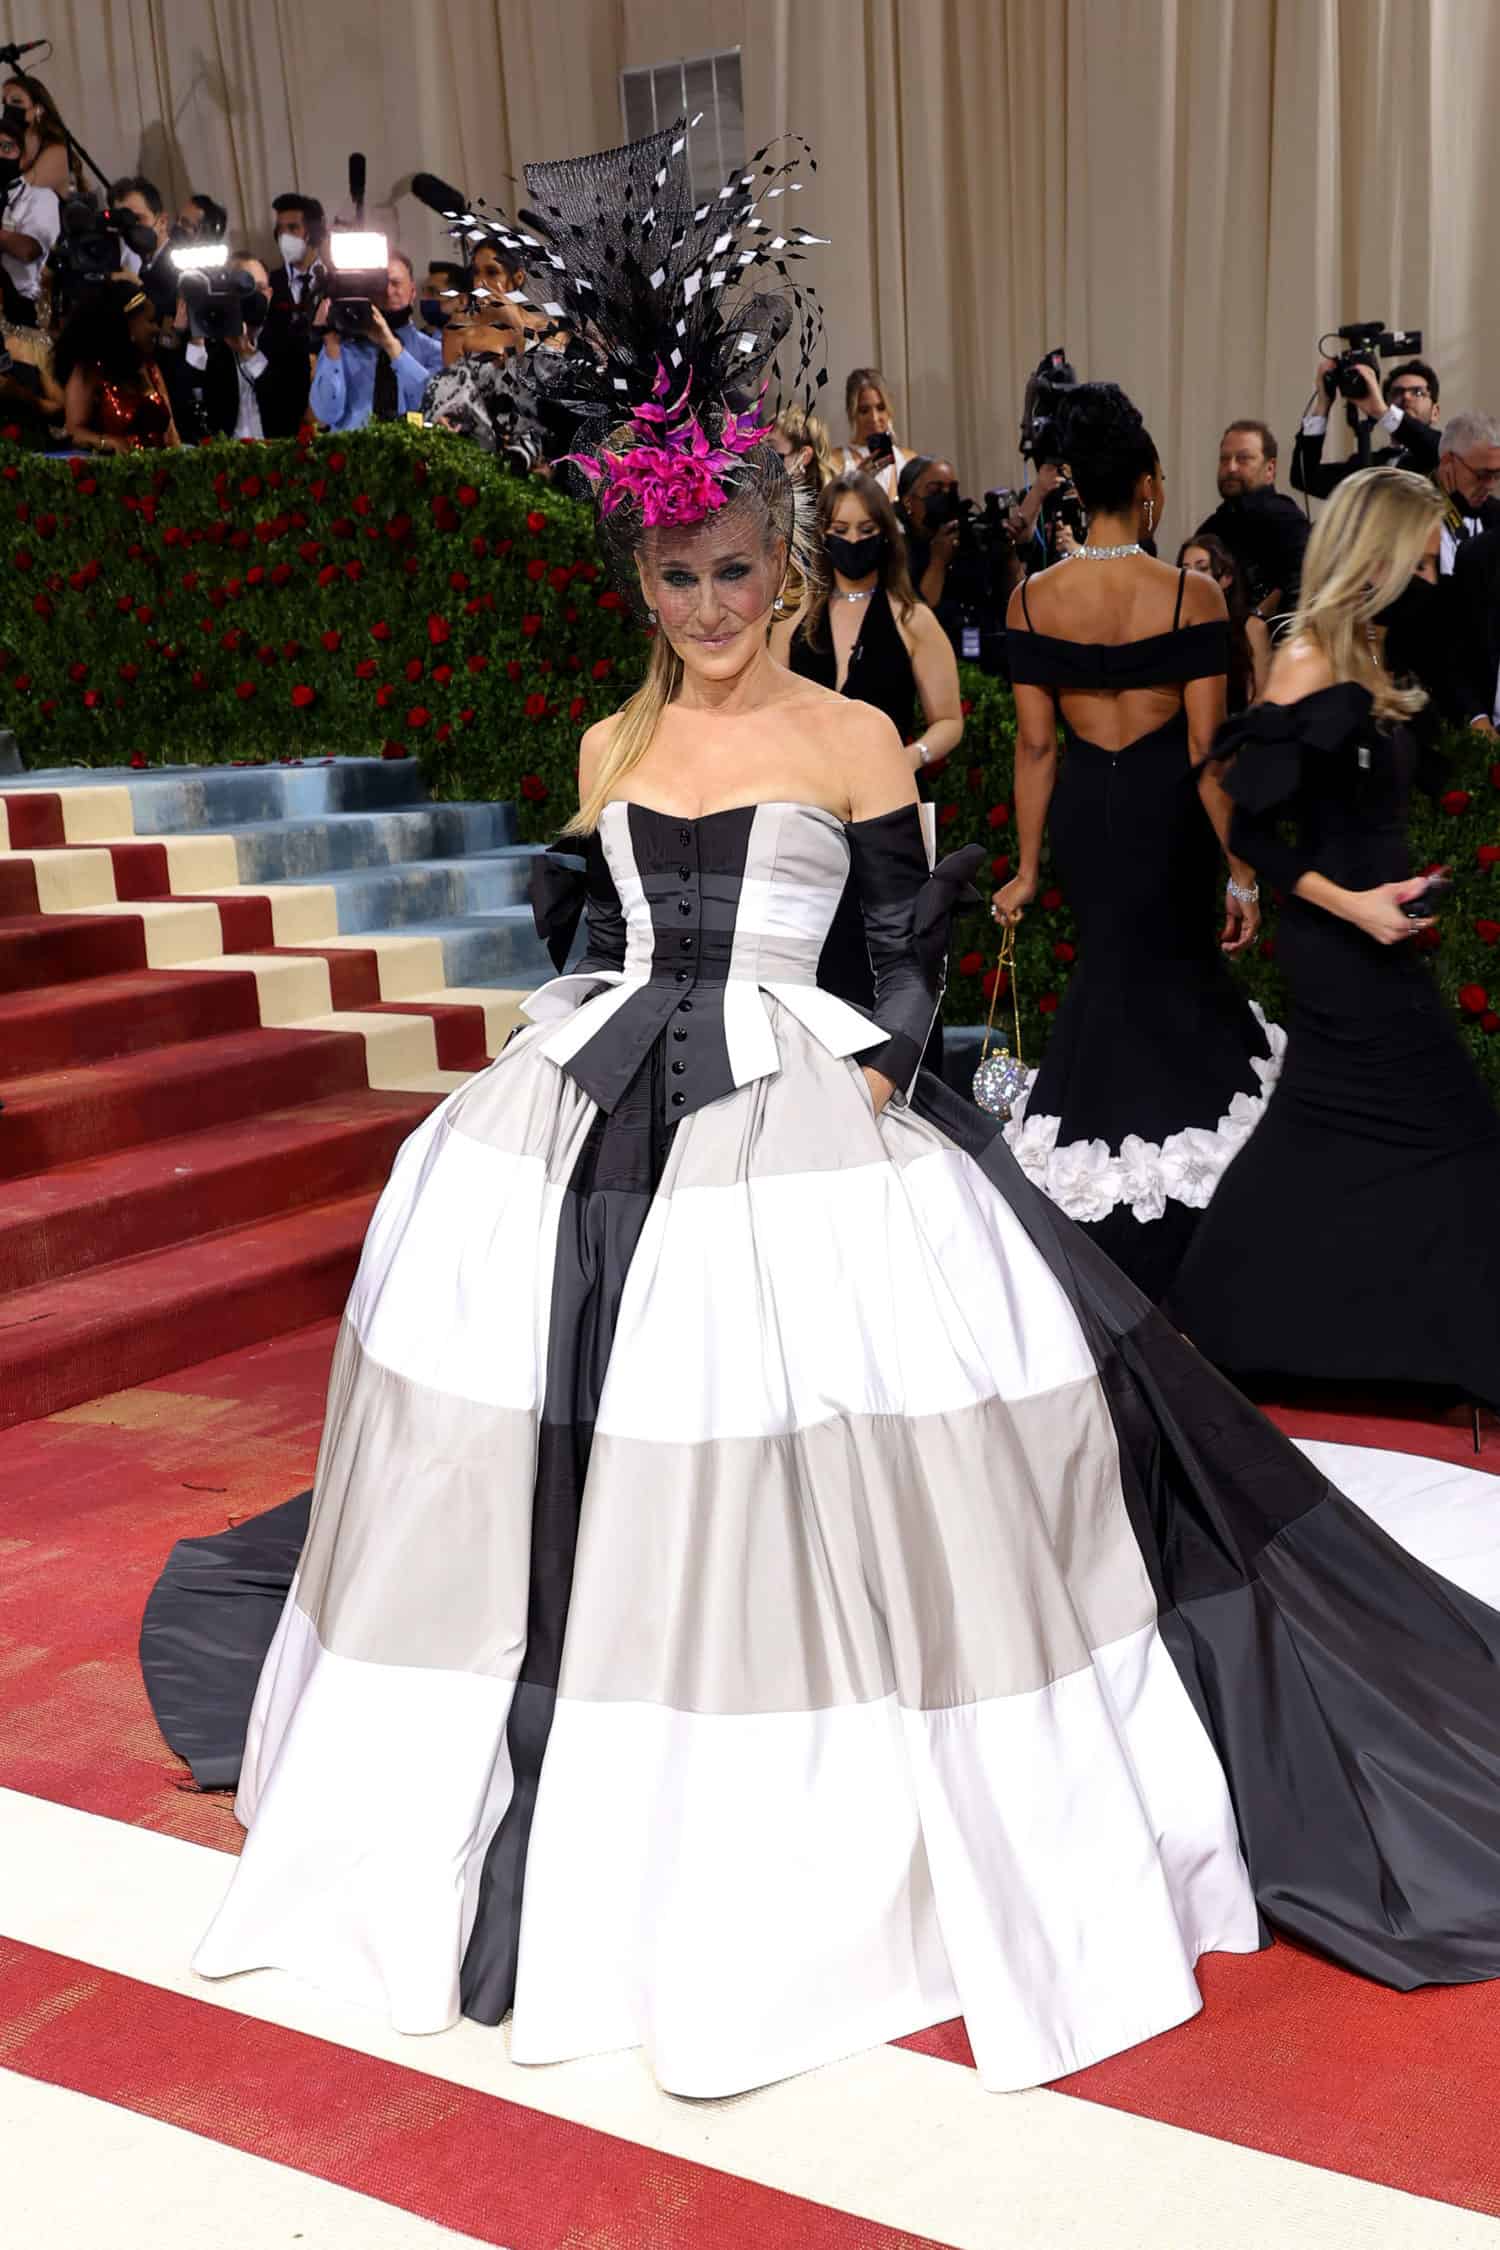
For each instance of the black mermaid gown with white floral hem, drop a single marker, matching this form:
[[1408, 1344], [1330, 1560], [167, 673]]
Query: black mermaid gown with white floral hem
[[772, 1584], [1157, 1068]]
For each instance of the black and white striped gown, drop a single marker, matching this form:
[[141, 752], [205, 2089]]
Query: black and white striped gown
[[772, 1584]]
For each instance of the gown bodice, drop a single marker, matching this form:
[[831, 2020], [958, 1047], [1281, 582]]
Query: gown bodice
[[693, 922], [880, 668]]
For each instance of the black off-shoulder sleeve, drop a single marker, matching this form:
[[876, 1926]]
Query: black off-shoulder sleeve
[[907, 910], [568, 880], [1264, 752]]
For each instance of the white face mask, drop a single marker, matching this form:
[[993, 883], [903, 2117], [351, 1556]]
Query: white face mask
[[292, 248]]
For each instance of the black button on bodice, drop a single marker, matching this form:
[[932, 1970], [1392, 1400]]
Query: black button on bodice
[[678, 1068], [684, 1007], [683, 978], [684, 906], [678, 1100], [684, 873], [684, 835], [686, 944], [679, 1031]]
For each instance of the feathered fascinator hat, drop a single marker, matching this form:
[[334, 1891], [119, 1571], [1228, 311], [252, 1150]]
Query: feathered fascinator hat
[[678, 345]]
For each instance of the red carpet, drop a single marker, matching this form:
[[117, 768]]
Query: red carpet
[[1289, 2056]]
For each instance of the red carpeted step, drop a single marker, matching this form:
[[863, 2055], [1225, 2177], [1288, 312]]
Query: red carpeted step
[[136, 1200], [353, 973], [66, 1115], [76, 1339], [247, 923], [18, 887], [34, 818], [42, 949], [141, 870], [61, 1026]]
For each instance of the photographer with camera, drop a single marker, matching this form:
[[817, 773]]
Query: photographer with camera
[[30, 218], [961, 558], [367, 370], [226, 367], [872, 447], [138, 212], [1264, 530], [1405, 411], [286, 338]]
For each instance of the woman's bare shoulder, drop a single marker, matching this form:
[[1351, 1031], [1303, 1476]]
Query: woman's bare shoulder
[[593, 748], [1298, 668]]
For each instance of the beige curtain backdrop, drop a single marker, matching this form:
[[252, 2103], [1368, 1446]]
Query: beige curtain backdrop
[[1184, 192]]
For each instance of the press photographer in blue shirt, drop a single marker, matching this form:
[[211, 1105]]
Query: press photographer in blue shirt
[[381, 372]]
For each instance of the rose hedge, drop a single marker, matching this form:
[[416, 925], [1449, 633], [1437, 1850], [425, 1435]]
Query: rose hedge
[[392, 590]]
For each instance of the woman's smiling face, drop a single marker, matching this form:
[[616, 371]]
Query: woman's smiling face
[[712, 585]]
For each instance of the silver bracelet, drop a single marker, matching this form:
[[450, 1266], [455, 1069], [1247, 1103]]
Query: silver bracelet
[[922, 751], [1247, 896]]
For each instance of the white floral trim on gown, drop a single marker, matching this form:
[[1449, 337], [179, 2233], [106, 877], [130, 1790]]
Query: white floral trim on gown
[[1089, 1179]]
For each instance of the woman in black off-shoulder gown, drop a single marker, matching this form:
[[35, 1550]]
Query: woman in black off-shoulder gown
[[1157, 1067]]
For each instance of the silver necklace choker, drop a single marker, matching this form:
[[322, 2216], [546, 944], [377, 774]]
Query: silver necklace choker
[[840, 596], [1104, 554]]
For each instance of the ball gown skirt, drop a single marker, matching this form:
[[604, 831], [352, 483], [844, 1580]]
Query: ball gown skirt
[[772, 1584]]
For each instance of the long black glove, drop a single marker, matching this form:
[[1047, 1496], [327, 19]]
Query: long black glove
[[907, 912]]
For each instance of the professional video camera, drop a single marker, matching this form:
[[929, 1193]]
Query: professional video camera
[[359, 265], [1046, 388], [87, 250], [221, 302], [1363, 341]]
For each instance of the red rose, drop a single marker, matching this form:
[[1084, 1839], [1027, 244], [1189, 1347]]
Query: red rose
[[1062, 951], [398, 528], [90, 698], [281, 573], [438, 631], [947, 814], [1489, 1021], [557, 579], [200, 680], [466, 496], [532, 625], [1456, 801], [380, 631], [129, 672], [971, 964], [533, 788], [512, 669], [1489, 855], [244, 690], [1495, 777], [609, 599], [46, 525], [362, 503], [42, 606], [467, 715], [90, 486], [576, 708], [389, 749], [445, 730], [239, 539], [335, 462], [22, 683], [479, 662], [266, 653], [354, 571], [414, 668], [1048, 1004], [1000, 866], [328, 573], [1473, 999], [442, 674], [303, 697], [602, 668], [459, 581], [536, 706], [536, 568], [137, 757], [999, 816], [536, 521], [22, 558], [477, 546], [1488, 931], [332, 640], [384, 697], [418, 716], [250, 488], [310, 550], [78, 671], [366, 668], [1052, 900], [125, 603]]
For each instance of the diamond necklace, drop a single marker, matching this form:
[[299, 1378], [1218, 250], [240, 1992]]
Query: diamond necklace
[[1103, 554], [840, 596]]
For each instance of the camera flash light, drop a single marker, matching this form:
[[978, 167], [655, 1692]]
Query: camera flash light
[[356, 253]]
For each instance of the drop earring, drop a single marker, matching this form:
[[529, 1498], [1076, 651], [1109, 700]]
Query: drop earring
[[650, 617], [778, 605]]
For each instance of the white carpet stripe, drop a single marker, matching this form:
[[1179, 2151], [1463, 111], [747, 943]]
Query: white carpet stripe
[[79, 2172], [892, 2137]]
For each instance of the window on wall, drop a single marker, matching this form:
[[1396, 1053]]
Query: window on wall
[[701, 87]]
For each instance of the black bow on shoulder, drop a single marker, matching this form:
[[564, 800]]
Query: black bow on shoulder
[[938, 901], [559, 888], [1267, 742]]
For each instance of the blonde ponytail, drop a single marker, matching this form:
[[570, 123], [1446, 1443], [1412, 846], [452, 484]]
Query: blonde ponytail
[[633, 733]]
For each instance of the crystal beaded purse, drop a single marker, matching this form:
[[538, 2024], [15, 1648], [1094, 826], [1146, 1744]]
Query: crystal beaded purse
[[1001, 1076]]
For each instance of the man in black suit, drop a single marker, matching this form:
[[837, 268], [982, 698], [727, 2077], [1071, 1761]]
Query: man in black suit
[[1406, 413], [287, 339], [1264, 530], [1469, 472], [1474, 633]]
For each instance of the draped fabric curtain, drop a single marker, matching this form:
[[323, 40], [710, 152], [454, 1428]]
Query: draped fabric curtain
[[1185, 193]]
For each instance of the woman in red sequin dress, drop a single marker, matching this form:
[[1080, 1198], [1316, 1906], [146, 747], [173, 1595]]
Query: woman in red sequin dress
[[114, 398]]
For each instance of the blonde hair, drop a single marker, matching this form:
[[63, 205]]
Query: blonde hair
[[862, 379], [800, 426], [634, 731], [1363, 554]]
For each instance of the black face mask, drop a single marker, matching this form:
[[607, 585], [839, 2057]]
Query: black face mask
[[140, 238], [399, 319], [941, 506], [856, 558], [10, 172], [1409, 622], [433, 313]]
